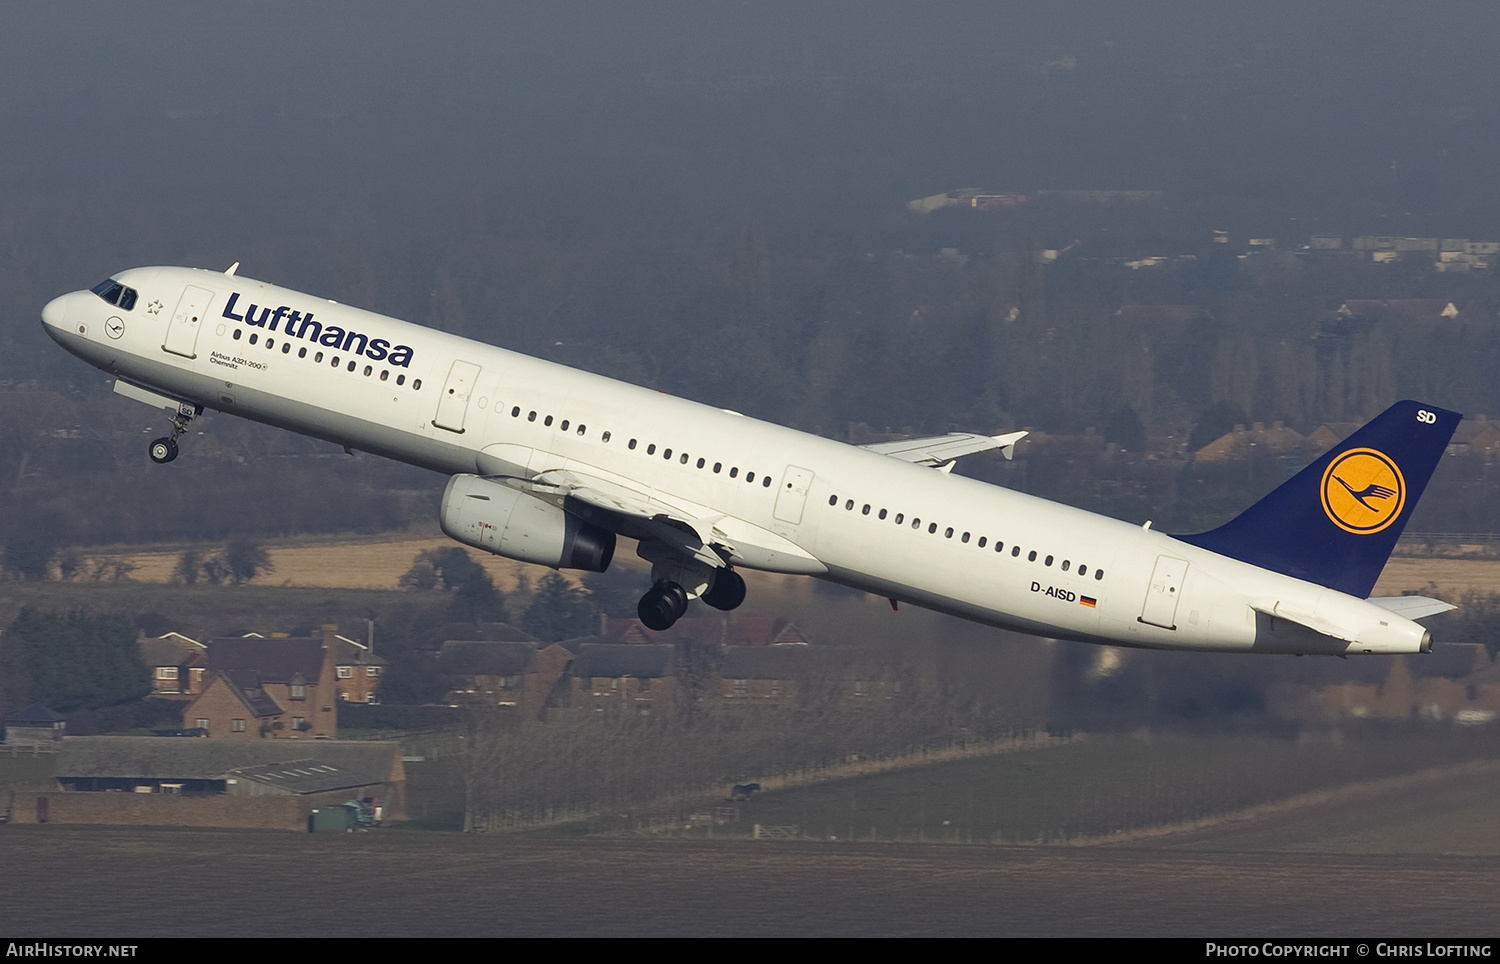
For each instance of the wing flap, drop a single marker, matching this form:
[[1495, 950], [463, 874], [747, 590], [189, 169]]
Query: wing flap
[[690, 535]]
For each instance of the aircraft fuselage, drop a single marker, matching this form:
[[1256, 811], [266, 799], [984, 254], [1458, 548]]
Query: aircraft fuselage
[[775, 499]]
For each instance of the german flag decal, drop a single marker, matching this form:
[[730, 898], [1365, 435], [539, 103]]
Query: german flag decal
[[1088, 601]]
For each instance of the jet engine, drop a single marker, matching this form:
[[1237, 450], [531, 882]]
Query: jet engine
[[494, 517]]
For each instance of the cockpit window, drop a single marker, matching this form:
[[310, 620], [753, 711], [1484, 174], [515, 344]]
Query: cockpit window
[[115, 293]]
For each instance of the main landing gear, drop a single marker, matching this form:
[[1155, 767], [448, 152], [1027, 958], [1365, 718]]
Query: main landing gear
[[164, 450], [666, 601]]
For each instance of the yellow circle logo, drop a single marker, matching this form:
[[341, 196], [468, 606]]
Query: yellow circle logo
[[1363, 491]]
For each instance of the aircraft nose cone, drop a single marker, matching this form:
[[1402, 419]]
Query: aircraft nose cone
[[55, 312]]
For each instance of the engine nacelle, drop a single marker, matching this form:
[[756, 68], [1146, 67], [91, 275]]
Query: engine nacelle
[[497, 518]]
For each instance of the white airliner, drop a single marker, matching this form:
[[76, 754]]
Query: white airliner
[[550, 464]]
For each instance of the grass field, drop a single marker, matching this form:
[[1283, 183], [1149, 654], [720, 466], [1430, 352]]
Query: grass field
[[1113, 788], [121, 883]]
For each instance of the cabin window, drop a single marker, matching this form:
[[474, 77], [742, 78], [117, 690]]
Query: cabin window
[[385, 373], [334, 362], [684, 459], [318, 358], [1082, 569], [301, 352], [865, 510], [1098, 574], [899, 517], [701, 463], [1065, 565], [965, 537], [849, 505], [981, 541], [604, 437], [931, 528], [270, 343], [352, 364], [881, 514], [631, 445], [582, 428], [564, 426], [237, 334], [666, 454], [1047, 561], [1031, 556], [400, 379], [651, 449], [749, 476], [1014, 550], [531, 417], [254, 338], [547, 421], [416, 384], [368, 370], [286, 348], [717, 467], [916, 523], [734, 471]]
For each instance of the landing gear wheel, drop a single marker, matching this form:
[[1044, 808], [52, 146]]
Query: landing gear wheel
[[728, 590], [163, 450], [662, 605]]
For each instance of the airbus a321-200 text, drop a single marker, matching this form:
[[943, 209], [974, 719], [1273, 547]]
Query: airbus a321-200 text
[[550, 465]]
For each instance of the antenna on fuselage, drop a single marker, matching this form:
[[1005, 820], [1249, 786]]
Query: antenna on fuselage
[[229, 271]]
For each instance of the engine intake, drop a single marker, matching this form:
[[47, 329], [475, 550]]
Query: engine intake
[[497, 518]]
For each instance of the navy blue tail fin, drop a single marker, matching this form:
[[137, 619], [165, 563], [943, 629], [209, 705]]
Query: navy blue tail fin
[[1335, 522]]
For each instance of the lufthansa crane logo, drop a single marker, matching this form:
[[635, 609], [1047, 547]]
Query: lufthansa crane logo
[[1363, 491]]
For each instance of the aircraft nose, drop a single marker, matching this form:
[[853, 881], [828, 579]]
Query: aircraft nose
[[55, 314]]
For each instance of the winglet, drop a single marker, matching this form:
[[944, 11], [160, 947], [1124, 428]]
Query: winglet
[[1335, 522], [1007, 443]]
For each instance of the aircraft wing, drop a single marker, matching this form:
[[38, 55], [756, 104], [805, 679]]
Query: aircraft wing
[[693, 536], [1412, 607], [937, 449]]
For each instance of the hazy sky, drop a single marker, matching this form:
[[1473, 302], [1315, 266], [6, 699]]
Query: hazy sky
[[270, 105]]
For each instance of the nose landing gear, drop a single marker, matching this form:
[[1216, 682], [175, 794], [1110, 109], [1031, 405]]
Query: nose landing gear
[[164, 450]]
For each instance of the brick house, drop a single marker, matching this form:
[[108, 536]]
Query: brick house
[[280, 688], [357, 671], [176, 662], [517, 673], [616, 677]]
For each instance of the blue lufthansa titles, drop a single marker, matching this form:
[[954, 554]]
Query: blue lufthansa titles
[[299, 325]]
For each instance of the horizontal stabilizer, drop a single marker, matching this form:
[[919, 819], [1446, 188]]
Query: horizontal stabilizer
[[938, 449], [1412, 607], [1311, 620]]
